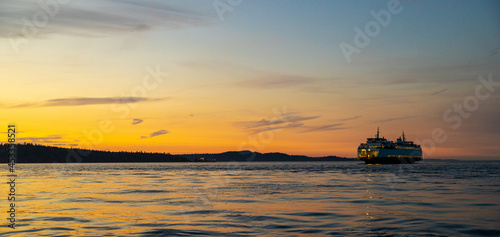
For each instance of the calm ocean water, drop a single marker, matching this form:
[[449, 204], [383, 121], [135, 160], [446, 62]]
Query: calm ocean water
[[432, 198]]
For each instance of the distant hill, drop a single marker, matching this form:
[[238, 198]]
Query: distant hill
[[256, 156], [33, 153]]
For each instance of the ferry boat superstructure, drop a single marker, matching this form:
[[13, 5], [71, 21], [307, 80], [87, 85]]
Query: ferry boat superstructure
[[381, 151]]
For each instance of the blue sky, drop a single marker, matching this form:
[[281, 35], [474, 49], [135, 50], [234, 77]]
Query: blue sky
[[262, 57]]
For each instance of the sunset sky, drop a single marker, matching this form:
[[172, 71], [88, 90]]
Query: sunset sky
[[268, 76]]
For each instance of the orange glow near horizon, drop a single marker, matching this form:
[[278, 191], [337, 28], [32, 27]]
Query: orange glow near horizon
[[200, 85]]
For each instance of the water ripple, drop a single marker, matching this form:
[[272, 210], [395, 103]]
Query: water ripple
[[260, 199]]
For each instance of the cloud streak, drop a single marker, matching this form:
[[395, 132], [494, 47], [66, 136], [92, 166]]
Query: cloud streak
[[270, 128], [137, 121], [329, 127], [81, 101], [277, 82], [393, 119], [284, 118], [52, 139], [350, 118], [439, 92], [110, 18], [154, 134]]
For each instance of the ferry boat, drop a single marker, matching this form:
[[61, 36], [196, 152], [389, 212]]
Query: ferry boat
[[381, 151]]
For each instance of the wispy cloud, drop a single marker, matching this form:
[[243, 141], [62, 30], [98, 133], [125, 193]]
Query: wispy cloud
[[154, 134], [137, 121], [269, 128], [111, 17], [17, 131], [284, 118], [394, 119], [439, 92], [350, 118], [329, 127], [276, 82], [80, 101], [260, 79], [49, 139], [96, 101]]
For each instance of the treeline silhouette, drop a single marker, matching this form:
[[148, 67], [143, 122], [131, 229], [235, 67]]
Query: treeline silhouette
[[35, 153], [241, 156]]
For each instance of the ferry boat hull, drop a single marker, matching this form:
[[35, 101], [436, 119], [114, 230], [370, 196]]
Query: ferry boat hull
[[381, 151], [391, 160]]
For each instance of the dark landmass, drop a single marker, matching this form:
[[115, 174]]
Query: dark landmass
[[259, 157], [34, 153]]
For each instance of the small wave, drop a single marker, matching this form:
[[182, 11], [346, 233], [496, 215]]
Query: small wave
[[65, 219], [482, 232], [306, 231], [141, 191], [176, 232], [321, 214], [261, 218], [202, 212], [275, 226]]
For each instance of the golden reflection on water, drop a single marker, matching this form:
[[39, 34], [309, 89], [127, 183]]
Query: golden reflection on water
[[88, 200]]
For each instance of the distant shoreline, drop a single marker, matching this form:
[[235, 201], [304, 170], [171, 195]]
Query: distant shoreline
[[35, 153]]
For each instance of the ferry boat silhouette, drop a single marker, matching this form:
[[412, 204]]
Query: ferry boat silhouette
[[381, 151]]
